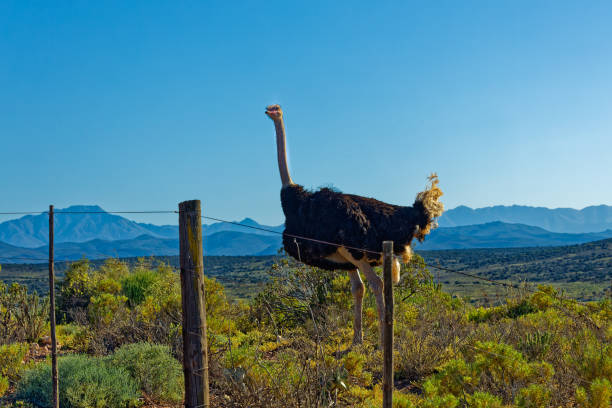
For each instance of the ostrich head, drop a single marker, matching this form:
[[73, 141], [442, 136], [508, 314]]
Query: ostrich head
[[274, 112]]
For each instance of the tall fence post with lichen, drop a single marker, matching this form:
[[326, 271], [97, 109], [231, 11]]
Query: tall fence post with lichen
[[195, 354]]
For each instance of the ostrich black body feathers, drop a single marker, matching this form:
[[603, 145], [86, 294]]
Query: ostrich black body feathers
[[349, 220]]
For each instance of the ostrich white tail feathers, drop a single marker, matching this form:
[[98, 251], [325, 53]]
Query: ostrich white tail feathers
[[433, 207]]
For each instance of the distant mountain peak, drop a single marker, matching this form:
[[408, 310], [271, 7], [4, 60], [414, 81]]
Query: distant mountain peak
[[249, 221], [83, 208]]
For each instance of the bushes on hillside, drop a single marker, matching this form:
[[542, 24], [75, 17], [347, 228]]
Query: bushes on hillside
[[535, 350], [120, 306], [288, 347]]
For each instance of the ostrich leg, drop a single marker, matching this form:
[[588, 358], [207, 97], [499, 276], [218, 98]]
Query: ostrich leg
[[357, 289], [376, 284]]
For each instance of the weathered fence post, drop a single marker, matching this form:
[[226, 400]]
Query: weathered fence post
[[388, 325], [195, 353], [54, 375]]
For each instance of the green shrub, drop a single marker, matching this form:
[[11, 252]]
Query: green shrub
[[490, 367], [11, 358], [483, 400], [513, 309], [157, 373], [84, 382], [591, 358], [536, 345], [105, 308], [23, 315], [4, 384], [137, 285], [534, 396], [598, 396], [76, 288], [72, 337]]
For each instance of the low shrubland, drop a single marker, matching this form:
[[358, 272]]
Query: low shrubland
[[290, 345]]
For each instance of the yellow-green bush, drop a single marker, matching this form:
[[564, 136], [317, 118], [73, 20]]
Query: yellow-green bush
[[533, 396], [4, 384], [599, 394], [11, 360], [105, 308], [23, 315], [72, 337]]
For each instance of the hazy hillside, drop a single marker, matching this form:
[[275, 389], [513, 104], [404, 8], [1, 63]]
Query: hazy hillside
[[220, 243], [32, 231], [503, 235], [100, 234], [234, 243], [589, 219]]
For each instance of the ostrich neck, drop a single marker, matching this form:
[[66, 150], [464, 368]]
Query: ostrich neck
[[281, 150]]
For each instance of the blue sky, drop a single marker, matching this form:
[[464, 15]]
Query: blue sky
[[140, 105]]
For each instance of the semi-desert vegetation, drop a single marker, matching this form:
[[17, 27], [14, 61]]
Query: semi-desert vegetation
[[289, 344]]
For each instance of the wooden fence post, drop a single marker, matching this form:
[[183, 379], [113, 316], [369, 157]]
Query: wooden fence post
[[388, 325], [195, 353], [54, 375]]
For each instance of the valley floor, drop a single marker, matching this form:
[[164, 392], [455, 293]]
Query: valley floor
[[583, 272]]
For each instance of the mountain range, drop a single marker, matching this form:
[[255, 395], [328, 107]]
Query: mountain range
[[499, 234], [82, 223], [589, 219], [88, 231]]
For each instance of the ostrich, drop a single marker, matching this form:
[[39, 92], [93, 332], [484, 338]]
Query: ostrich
[[353, 221]]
